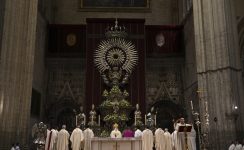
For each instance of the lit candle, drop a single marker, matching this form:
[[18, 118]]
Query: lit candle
[[191, 105], [206, 106], [145, 120]]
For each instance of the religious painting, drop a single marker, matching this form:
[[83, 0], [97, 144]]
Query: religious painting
[[114, 5], [163, 40]]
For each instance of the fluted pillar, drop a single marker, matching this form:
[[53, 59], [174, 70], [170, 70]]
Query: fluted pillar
[[218, 69], [17, 59]]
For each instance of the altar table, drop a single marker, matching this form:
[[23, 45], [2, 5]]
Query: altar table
[[116, 143]]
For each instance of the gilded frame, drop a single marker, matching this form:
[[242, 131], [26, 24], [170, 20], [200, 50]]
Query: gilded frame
[[145, 8]]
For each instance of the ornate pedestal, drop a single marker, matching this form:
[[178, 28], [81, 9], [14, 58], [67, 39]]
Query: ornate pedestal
[[116, 144]]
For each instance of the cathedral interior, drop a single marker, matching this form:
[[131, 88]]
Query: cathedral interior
[[190, 59]]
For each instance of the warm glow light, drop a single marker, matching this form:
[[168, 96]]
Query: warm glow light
[[236, 107]]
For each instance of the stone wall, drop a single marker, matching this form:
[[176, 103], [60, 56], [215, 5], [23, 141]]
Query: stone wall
[[239, 7], [39, 74], [2, 8], [190, 76], [65, 87], [162, 12]]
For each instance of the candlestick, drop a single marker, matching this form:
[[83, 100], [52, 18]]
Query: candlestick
[[92, 119], [192, 106], [76, 121]]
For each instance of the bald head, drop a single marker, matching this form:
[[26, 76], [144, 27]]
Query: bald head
[[64, 126]]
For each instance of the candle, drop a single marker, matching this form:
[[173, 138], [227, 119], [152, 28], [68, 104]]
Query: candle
[[191, 105], [135, 119], [99, 120], [206, 106], [145, 120]]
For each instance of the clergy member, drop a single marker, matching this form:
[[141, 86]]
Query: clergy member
[[88, 135], [76, 138], [63, 139], [232, 146], [147, 139], [138, 133], [180, 142], [116, 133], [46, 141], [159, 139], [168, 140], [51, 140], [191, 136], [128, 132], [238, 146]]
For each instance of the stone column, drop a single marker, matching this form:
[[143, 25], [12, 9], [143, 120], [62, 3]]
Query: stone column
[[218, 69], [17, 59]]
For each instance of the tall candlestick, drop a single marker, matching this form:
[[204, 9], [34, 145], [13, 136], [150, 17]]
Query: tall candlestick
[[192, 106], [145, 119], [76, 121]]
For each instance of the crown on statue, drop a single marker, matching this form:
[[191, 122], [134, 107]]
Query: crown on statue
[[116, 31]]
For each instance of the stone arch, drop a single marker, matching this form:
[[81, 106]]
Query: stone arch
[[167, 110], [62, 112]]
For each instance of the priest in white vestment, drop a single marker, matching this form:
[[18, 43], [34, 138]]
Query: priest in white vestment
[[180, 143], [51, 140], [232, 146], [147, 139], [138, 133], [159, 139], [76, 138], [46, 141], [63, 139], [168, 140], [238, 146], [88, 135], [191, 136], [116, 133], [174, 140]]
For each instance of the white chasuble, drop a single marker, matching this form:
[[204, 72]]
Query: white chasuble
[[159, 139], [116, 134], [147, 140], [51, 140], [138, 133], [88, 135], [76, 138], [191, 136], [168, 141], [63, 140]]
